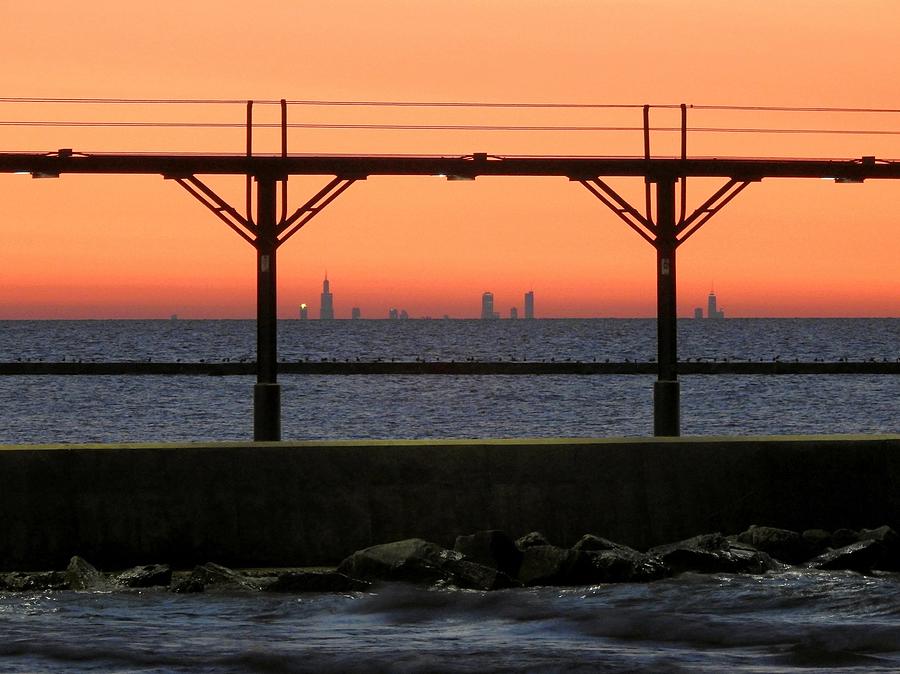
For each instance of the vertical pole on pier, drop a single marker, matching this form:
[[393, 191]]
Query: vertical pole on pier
[[267, 391], [666, 389]]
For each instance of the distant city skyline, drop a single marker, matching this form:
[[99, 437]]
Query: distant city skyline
[[488, 309]]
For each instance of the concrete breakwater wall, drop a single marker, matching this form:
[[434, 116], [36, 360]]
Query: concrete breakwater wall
[[310, 503]]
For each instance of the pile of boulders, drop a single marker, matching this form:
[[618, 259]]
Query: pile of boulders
[[492, 560], [489, 560], [81, 575]]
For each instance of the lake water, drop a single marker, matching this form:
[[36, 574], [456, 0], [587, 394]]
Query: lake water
[[136, 408], [797, 621]]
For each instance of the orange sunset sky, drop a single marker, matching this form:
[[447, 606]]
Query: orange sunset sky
[[135, 247]]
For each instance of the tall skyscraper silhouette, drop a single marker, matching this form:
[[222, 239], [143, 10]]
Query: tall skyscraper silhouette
[[711, 310], [529, 304], [487, 306], [326, 308]]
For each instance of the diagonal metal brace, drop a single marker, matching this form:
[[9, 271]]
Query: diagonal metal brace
[[290, 226], [221, 208], [622, 208], [709, 208]]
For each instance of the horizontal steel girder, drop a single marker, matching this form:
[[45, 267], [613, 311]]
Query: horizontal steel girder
[[361, 166]]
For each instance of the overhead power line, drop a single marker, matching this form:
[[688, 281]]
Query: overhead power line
[[129, 101], [440, 127], [322, 102], [779, 108], [441, 104]]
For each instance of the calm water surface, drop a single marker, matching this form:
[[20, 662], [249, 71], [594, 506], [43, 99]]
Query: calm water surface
[[135, 408], [576, 339]]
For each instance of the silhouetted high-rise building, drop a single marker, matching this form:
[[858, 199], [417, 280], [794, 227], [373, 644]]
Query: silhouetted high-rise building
[[529, 304], [513, 313], [487, 306], [711, 310], [355, 313], [304, 312], [326, 309], [393, 314]]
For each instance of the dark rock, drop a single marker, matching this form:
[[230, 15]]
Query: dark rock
[[706, 542], [619, 565], [883, 534], [782, 544], [81, 575], [491, 548], [591, 543], [843, 537], [890, 559], [189, 585], [315, 581], [605, 561], [19, 581], [680, 560], [531, 539], [713, 553], [817, 541], [212, 575], [417, 561], [465, 574], [748, 559], [149, 575], [861, 556], [216, 574], [411, 560], [550, 565]]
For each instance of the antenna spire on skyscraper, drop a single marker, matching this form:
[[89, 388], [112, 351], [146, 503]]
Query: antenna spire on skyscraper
[[326, 308]]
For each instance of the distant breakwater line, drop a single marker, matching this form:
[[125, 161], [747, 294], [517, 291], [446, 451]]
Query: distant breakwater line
[[335, 367]]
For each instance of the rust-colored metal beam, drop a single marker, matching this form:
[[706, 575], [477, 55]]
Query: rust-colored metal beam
[[618, 205], [359, 166], [287, 227], [688, 226]]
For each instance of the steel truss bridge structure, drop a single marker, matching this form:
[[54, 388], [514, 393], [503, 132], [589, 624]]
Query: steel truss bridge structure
[[663, 220]]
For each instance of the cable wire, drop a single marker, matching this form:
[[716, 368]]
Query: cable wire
[[318, 102], [440, 104], [778, 108], [441, 127], [127, 101]]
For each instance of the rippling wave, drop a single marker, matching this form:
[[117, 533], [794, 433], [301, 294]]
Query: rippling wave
[[786, 622]]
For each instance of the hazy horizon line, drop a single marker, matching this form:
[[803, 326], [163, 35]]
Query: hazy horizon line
[[175, 318]]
